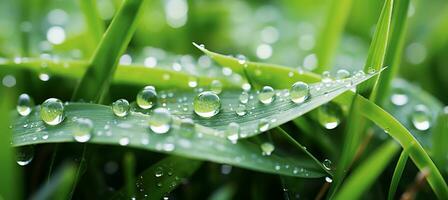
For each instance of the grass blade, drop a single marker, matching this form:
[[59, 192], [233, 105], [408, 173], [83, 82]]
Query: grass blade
[[98, 76], [367, 172], [331, 33], [129, 169], [401, 164], [95, 26], [10, 182], [440, 140], [59, 186], [162, 177]]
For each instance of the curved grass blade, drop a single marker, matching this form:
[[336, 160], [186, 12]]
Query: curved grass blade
[[197, 142], [331, 33], [223, 193], [367, 172], [129, 169], [401, 164], [59, 186], [98, 76], [162, 177], [95, 26], [129, 74], [440, 140]]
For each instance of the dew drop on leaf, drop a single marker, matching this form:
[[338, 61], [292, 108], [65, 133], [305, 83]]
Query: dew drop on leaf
[[158, 172], [342, 74], [120, 107], [420, 118], [266, 95], [24, 155], [24, 105], [328, 179], [399, 99], [123, 141], [216, 86], [299, 92], [232, 132], [329, 115], [147, 97], [327, 164], [326, 77], [83, 129], [160, 121], [263, 125], [244, 97], [267, 148], [52, 111], [187, 127], [241, 110], [206, 104]]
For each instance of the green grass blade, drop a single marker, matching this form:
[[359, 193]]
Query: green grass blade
[[129, 174], [331, 33], [362, 177], [10, 182], [98, 76], [162, 177], [129, 74], [94, 24], [399, 168], [59, 186], [440, 140], [223, 193], [377, 50], [394, 49], [200, 142]]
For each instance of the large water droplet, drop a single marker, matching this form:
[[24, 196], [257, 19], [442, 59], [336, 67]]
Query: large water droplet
[[160, 121], [52, 111], [240, 110], [83, 129], [266, 95], [329, 115], [342, 74], [121, 107], [327, 164], [207, 104], [263, 125], [216, 86], [267, 148], [421, 118], [24, 155], [299, 92], [244, 97], [232, 132], [147, 97], [24, 105]]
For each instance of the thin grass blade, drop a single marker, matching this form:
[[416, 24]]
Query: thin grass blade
[[399, 168]]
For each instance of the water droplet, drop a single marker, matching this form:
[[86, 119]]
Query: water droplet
[[299, 92], [420, 118], [266, 95], [328, 179], [241, 59], [24, 155], [83, 130], [160, 121], [24, 105], [244, 97], [216, 86], [267, 148], [52, 111], [263, 125], [158, 172], [342, 74], [232, 132], [371, 70], [329, 115], [121, 107], [192, 82], [326, 77], [187, 127], [327, 164], [240, 110], [399, 99], [207, 104], [147, 97], [124, 141]]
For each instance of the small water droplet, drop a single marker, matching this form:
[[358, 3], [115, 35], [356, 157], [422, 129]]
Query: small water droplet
[[206, 104], [267, 148], [241, 59], [124, 141], [216, 86], [24, 105], [52, 111], [158, 172], [83, 129], [244, 97], [263, 125], [232, 132], [329, 115], [192, 82], [160, 121], [24, 155], [187, 126], [326, 77], [299, 92], [147, 97], [120, 107], [342, 74], [328, 179], [240, 110], [399, 99], [327, 164], [421, 118], [266, 95]]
